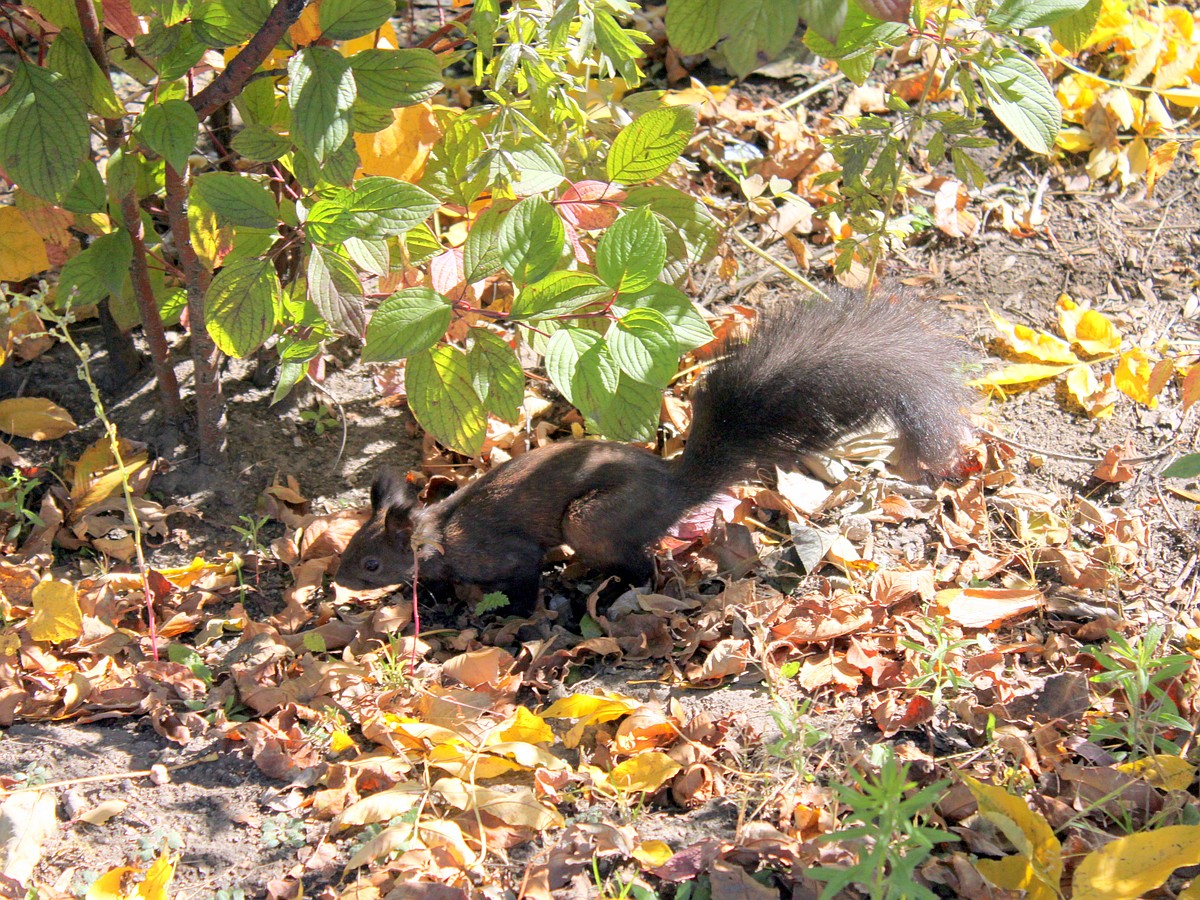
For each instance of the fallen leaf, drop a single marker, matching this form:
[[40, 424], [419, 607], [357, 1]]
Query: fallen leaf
[[645, 772], [1171, 773], [1131, 866], [56, 614], [986, 607], [1037, 866], [101, 813], [35, 418]]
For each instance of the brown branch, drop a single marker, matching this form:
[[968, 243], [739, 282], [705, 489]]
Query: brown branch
[[206, 358], [229, 83], [143, 291], [430, 39]]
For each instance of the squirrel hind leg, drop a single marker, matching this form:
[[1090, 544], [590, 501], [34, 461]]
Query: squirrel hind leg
[[607, 538]]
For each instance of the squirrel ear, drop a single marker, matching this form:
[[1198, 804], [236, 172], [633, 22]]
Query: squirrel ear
[[389, 491]]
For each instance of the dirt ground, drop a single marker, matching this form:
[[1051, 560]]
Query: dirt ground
[[1131, 256]]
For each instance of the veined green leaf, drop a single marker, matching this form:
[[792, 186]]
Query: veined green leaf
[[531, 240], [630, 254], [406, 323], [169, 129], [441, 396], [650, 143], [321, 92], [391, 78], [43, 132], [237, 199], [496, 375], [240, 305], [335, 291]]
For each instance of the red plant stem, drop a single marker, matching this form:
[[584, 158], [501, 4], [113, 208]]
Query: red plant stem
[[206, 358], [143, 291], [226, 86]]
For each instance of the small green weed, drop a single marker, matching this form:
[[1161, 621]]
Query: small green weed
[[321, 418], [1139, 672], [938, 673], [15, 488], [281, 830], [886, 822]]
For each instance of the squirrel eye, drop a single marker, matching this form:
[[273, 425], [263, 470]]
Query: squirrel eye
[[371, 564]]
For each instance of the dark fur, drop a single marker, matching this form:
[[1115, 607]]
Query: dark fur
[[810, 374]]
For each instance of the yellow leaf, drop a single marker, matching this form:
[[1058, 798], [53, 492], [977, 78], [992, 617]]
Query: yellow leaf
[[596, 707], [382, 38], [340, 742], [1018, 375], [516, 807], [1097, 400], [1191, 387], [210, 240], [22, 250], [1042, 347], [652, 853], [308, 27], [1073, 140], [1128, 867], [1160, 163], [158, 878], [9, 643], [380, 807], [96, 475], [1091, 330], [1163, 771], [56, 614], [645, 772], [400, 150], [35, 418], [109, 886], [1191, 892], [1014, 873], [186, 576], [1133, 377], [527, 727], [1187, 97], [1028, 831]]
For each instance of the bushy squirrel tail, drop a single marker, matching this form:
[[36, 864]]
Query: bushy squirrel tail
[[813, 372]]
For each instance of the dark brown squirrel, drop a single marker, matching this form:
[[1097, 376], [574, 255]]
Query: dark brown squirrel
[[811, 373]]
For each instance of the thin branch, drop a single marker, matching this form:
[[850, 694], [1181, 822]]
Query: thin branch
[[228, 84], [143, 291]]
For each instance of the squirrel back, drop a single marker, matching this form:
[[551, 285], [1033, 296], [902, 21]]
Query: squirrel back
[[810, 374]]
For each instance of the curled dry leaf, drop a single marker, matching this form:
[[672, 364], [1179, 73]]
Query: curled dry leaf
[[986, 607]]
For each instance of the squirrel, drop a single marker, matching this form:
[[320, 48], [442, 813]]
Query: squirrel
[[811, 373]]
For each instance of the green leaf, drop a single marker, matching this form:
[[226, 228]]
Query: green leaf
[[496, 375], [226, 23], [453, 170], [650, 143], [857, 39], [537, 166], [440, 395], [692, 25], [581, 366], [631, 413], [391, 78], [320, 93], [382, 206], [643, 345], [531, 240], [335, 291], [43, 132], [186, 53], [692, 234], [484, 18], [87, 194], [759, 31], [169, 129], [367, 118], [259, 143], [240, 306], [618, 45], [237, 199], [825, 16], [370, 255], [97, 272], [330, 221], [342, 20], [631, 253], [1022, 99], [420, 245], [70, 57], [1073, 31], [560, 294], [256, 103], [687, 324], [169, 12], [1184, 467], [481, 252], [337, 169], [1011, 15], [406, 323]]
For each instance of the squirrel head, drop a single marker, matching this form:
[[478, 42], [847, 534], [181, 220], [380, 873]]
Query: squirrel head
[[381, 552]]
